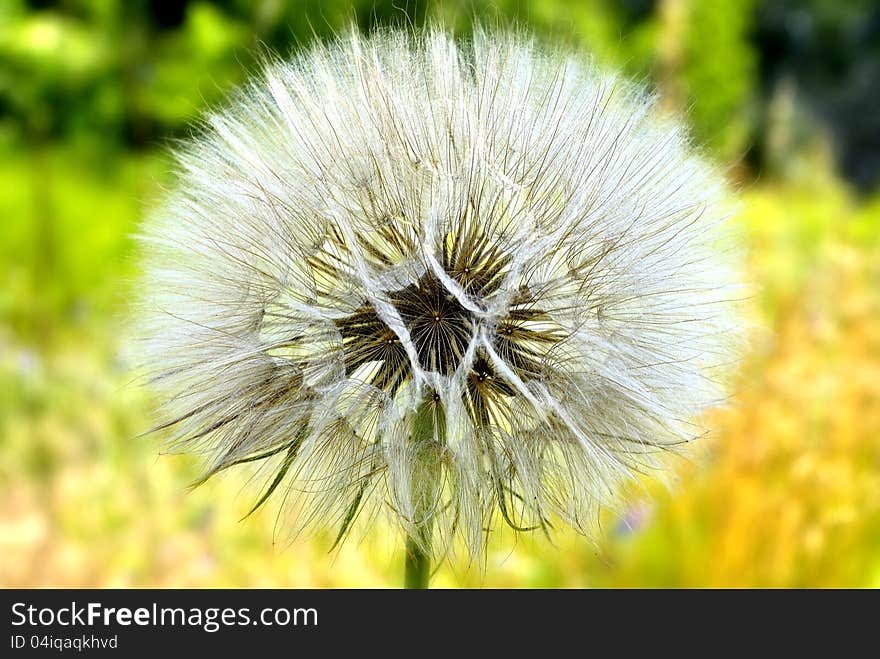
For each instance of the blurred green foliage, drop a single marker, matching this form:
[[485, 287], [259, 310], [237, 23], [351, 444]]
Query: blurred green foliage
[[92, 92], [718, 72]]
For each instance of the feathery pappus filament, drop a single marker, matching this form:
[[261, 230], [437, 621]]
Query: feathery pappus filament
[[458, 283]]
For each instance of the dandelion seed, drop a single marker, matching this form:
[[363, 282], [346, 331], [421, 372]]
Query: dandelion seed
[[451, 283]]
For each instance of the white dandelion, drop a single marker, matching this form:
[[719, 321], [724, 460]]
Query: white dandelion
[[460, 284]]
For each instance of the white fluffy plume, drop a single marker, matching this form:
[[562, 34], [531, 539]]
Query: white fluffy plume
[[453, 282]]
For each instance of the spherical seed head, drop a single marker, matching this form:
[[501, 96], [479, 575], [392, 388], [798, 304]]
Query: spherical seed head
[[452, 282]]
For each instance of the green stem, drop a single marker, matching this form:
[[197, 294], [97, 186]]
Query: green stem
[[418, 566], [428, 427]]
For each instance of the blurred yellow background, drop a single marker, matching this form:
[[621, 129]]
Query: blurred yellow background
[[786, 492]]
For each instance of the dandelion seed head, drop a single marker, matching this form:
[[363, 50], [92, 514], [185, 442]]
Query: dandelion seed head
[[450, 282]]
